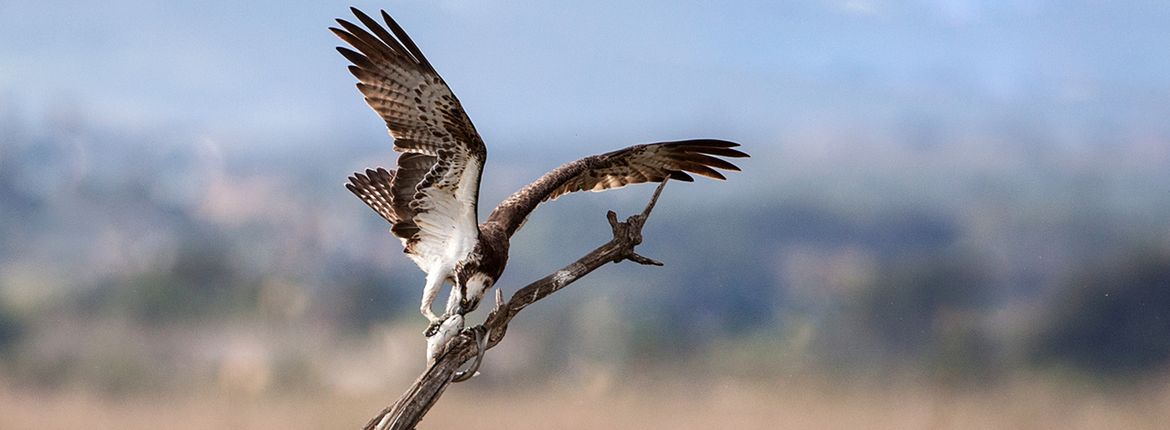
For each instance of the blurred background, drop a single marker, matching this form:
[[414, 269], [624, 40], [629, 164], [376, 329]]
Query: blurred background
[[956, 215]]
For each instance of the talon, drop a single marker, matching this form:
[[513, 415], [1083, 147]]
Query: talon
[[433, 328], [437, 343], [436, 323]]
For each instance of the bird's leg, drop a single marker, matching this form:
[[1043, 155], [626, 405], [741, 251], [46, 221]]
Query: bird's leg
[[452, 303], [430, 292]]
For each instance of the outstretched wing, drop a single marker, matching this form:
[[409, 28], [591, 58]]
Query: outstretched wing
[[652, 162], [431, 197]]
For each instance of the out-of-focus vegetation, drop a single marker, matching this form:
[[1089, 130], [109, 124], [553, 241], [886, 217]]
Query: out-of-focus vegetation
[[1113, 319], [133, 264]]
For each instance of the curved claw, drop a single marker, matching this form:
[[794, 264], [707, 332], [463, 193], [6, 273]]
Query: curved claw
[[481, 346], [433, 328]]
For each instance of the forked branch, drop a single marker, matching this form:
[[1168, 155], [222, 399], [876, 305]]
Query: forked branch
[[410, 408]]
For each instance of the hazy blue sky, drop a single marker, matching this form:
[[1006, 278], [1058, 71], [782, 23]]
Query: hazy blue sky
[[553, 71]]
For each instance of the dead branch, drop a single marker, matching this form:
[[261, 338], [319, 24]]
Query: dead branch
[[410, 408]]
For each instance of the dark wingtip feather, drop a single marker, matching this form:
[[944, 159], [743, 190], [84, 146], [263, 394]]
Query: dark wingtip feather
[[381, 33], [356, 71], [710, 146], [727, 166], [707, 160], [406, 41], [722, 152], [718, 143], [386, 17], [700, 169], [353, 56], [681, 176]]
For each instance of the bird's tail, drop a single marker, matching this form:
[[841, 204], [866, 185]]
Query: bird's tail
[[374, 187]]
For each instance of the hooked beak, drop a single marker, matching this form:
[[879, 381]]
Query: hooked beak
[[466, 306]]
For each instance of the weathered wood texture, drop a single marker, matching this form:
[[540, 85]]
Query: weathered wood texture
[[409, 409]]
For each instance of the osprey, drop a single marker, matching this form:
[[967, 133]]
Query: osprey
[[431, 198]]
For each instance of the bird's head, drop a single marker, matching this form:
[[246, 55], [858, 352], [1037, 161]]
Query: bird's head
[[472, 289], [478, 273]]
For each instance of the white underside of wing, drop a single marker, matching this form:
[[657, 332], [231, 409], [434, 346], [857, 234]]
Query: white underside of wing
[[448, 227]]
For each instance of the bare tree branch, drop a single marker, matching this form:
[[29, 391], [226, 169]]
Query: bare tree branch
[[410, 408]]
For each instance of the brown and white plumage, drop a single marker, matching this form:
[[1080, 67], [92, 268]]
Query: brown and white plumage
[[435, 188], [430, 198], [653, 162]]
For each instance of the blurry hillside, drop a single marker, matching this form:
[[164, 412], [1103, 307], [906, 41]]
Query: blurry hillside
[[136, 259]]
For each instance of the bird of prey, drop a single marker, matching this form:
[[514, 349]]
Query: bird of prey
[[431, 197]]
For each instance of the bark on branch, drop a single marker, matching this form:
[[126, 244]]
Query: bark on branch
[[409, 409]]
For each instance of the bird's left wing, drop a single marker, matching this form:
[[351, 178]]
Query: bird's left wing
[[431, 197], [654, 162]]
